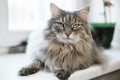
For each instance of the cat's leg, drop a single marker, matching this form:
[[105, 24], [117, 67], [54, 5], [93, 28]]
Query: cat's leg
[[31, 68]]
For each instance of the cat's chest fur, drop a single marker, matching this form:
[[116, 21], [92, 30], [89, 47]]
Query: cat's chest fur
[[62, 55], [52, 51]]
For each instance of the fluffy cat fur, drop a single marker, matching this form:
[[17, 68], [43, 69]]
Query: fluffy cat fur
[[67, 45]]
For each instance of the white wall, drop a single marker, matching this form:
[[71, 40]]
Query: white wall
[[116, 38], [8, 38]]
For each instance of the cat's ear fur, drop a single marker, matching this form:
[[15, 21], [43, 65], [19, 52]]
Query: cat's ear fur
[[55, 11], [83, 13]]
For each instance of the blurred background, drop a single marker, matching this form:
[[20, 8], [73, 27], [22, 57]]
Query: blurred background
[[19, 17]]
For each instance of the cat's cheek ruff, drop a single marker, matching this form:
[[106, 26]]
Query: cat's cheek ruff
[[74, 38]]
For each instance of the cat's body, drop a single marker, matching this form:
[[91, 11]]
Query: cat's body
[[67, 45]]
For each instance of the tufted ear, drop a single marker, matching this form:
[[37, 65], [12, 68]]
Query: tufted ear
[[55, 11], [83, 13]]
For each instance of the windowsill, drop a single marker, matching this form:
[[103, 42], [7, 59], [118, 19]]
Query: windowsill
[[10, 64]]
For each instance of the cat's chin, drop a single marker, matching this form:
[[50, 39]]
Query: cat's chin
[[67, 40]]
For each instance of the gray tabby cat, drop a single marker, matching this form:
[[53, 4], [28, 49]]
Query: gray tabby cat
[[69, 47]]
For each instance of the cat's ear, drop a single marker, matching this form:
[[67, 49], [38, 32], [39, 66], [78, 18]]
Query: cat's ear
[[83, 13], [55, 11]]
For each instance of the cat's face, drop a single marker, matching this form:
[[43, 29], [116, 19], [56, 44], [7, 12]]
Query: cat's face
[[69, 27]]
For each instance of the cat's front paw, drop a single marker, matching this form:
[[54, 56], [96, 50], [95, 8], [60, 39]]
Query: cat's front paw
[[27, 71], [62, 75]]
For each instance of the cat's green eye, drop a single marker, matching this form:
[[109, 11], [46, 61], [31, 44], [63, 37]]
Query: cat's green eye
[[76, 26], [59, 24]]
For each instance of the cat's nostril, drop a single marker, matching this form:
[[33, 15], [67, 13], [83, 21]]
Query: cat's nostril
[[68, 34]]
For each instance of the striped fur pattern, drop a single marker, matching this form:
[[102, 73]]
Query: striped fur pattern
[[69, 45]]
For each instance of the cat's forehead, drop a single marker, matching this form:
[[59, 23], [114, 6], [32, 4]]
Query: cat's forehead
[[68, 17]]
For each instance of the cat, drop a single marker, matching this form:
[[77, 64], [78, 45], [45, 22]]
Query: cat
[[67, 45]]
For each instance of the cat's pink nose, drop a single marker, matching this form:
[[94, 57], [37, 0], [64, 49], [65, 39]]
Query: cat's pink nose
[[68, 34]]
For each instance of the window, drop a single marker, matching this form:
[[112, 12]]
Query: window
[[32, 14], [97, 11]]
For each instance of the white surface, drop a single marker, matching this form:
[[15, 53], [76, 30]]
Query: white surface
[[10, 64]]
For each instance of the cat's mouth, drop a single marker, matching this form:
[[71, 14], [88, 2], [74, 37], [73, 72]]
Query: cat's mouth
[[66, 40]]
